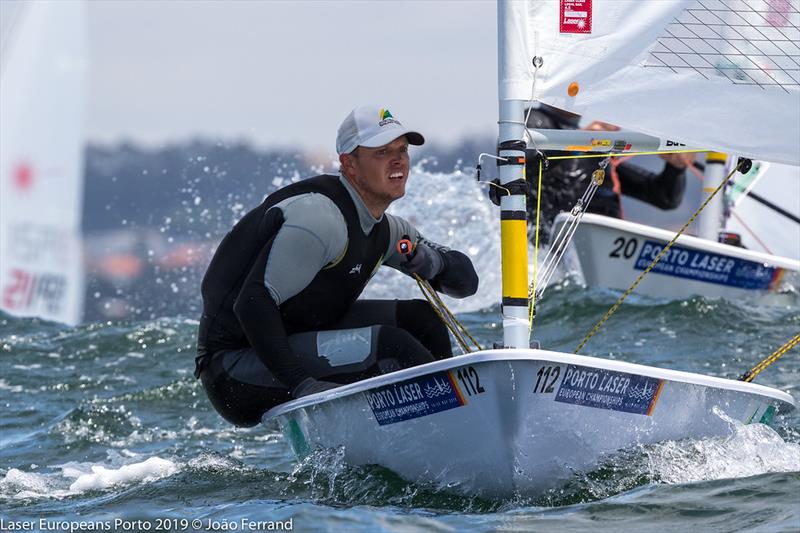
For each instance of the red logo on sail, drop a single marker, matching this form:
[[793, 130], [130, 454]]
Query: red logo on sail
[[22, 176], [575, 16]]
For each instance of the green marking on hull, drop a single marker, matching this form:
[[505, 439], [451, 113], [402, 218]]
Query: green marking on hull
[[296, 439], [768, 415]]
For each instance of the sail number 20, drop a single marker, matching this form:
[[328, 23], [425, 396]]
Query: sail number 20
[[624, 247]]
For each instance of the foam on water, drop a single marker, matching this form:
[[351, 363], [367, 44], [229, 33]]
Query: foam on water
[[123, 468], [101, 477], [750, 451]]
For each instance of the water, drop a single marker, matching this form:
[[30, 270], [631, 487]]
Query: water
[[104, 422]]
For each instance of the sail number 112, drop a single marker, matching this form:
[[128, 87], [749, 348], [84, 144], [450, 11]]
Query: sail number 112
[[470, 380], [548, 375]]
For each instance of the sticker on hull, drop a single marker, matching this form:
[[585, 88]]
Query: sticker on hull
[[606, 389], [709, 267], [414, 398]]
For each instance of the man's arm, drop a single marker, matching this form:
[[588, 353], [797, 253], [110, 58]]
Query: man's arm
[[261, 322], [311, 234], [448, 271], [664, 190]]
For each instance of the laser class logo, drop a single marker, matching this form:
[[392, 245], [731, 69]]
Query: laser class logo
[[385, 117], [575, 16]]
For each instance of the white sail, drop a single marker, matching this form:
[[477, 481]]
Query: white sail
[[43, 63], [717, 74], [757, 206]]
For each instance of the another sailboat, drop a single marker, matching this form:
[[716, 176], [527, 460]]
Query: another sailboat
[[517, 420], [42, 78], [719, 75]]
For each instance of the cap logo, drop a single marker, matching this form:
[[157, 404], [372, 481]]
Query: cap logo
[[385, 117]]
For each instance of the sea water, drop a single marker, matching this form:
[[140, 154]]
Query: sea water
[[104, 427]]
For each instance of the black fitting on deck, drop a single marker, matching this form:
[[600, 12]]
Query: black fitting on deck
[[744, 165]]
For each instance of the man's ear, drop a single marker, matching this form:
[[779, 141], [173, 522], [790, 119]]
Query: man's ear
[[346, 163]]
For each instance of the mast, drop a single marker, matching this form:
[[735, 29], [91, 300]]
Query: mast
[[710, 220], [513, 215]]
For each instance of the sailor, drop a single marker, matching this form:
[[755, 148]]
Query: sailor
[[281, 316], [565, 180]]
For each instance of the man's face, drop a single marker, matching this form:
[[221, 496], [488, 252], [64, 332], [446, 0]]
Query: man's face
[[379, 174]]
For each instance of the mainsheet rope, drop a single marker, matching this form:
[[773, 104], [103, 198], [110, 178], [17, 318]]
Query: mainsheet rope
[[760, 367], [458, 329], [655, 261], [534, 285]]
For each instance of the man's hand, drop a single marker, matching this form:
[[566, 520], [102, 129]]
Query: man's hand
[[678, 160], [312, 386], [427, 262]]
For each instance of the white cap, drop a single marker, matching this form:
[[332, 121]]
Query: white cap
[[372, 126]]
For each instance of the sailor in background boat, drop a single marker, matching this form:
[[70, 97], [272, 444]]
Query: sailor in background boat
[[565, 180], [280, 313]]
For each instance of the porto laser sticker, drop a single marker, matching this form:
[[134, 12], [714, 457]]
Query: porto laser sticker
[[414, 398], [713, 268], [575, 16], [606, 389]]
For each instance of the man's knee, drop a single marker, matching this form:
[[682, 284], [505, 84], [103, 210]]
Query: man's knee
[[422, 321], [402, 346]]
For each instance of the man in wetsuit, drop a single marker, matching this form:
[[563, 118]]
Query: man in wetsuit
[[565, 180], [281, 317]]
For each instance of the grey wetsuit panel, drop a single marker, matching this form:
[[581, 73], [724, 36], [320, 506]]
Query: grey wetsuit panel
[[324, 353], [314, 235]]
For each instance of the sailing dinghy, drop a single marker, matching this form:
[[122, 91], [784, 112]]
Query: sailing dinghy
[[516, 420], [721, 75], [43, 60]]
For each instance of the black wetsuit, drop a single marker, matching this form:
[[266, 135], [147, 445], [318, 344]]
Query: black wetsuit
[[566, 180], [252, 349]]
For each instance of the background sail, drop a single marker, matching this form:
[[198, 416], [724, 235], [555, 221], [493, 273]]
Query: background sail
[[43, 60], [762, 227], [715, 74]]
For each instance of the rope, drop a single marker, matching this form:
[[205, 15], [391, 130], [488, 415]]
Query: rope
[[654, 261], [566, 232], [760, 367], [456, 328], [532, 312]]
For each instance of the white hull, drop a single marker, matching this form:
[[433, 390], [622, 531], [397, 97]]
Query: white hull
[[506, 422], [612, 253]]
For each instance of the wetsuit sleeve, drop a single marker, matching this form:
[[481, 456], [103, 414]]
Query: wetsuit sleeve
[[285, 265], [664, 190], [457, 278], [260, 318], [313, 235]]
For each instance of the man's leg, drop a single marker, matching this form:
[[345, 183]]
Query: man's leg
[[418, 318], [353, 354], [414, 316], [240, 387]]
